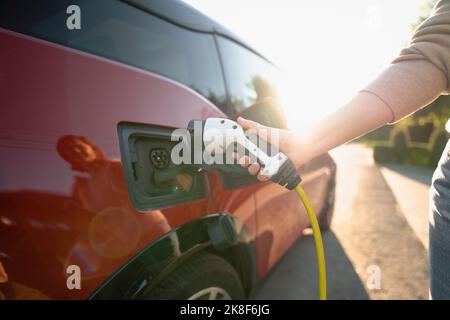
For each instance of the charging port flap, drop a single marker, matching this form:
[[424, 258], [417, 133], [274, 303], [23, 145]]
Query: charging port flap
[[153, 181]]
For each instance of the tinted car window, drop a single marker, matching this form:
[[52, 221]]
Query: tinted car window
[[249, 77], [124, 33]]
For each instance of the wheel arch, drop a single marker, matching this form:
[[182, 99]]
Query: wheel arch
[[220, 234]]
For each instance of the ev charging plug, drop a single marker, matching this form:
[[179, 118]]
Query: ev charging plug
[[217, 135]]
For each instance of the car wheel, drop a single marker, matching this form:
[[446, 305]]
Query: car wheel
[[326, 215], [205, 276]]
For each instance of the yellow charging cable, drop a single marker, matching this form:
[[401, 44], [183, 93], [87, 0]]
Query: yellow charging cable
[[322, 272]]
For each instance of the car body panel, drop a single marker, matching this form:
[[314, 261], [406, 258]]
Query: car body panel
[[63, 197], [56, 213]]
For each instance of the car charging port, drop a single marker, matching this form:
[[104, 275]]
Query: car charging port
[[153, 180], [160, 158]]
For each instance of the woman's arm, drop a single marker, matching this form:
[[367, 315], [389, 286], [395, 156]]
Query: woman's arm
[[363, 113], [413, 80]]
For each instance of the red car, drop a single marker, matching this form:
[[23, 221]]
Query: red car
[[77, 78]]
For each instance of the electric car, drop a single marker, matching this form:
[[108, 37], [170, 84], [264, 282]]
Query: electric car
[[82, 81]]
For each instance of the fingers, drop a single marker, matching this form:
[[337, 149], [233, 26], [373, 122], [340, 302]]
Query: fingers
[[262, 177], [253, 169], [245, 161], [251, 126], [247, 124]]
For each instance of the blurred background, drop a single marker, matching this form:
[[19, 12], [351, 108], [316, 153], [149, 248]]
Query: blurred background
[[327, 51]]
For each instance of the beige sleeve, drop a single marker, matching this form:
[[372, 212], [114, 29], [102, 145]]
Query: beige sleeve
[[421, 72]]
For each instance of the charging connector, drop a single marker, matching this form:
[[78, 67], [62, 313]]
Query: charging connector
[[218, 134]]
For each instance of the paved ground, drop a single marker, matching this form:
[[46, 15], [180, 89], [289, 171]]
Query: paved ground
[[410, 185], [372, 251]]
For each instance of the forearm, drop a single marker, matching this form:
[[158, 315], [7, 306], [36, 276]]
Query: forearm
[[364, 113]]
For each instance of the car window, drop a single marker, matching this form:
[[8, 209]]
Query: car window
[[126, 34], [249, 77]]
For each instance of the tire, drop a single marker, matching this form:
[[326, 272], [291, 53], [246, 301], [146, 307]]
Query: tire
[[326, 215], [202, 272]]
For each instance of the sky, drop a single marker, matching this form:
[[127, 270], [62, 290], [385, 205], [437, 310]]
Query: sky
[[327, 49]]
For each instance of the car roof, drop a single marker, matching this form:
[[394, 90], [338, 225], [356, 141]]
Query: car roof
[[186, 16]]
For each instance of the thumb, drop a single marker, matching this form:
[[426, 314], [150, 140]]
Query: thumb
[[250, 125], [254, 127]]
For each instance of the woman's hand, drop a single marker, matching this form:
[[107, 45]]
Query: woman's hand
[[289, 143]]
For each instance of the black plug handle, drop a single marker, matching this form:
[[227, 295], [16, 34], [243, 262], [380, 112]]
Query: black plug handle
[[287, 175]]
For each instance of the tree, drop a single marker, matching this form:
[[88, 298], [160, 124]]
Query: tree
[[426, 9]]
